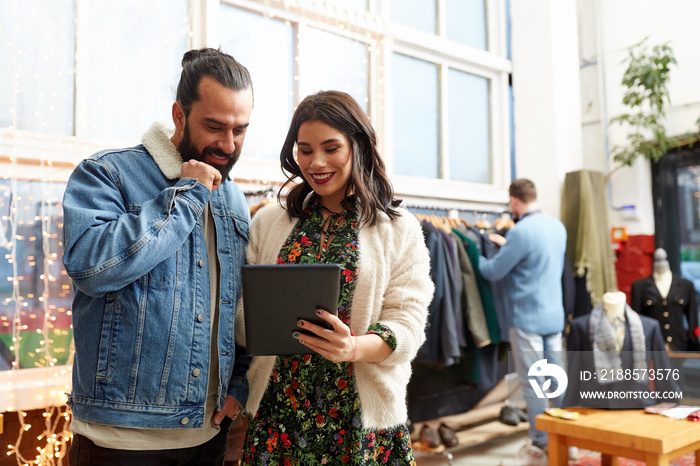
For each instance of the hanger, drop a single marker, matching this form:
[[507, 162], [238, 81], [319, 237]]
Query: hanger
[[444, 223], [503, 223], [482, 224]]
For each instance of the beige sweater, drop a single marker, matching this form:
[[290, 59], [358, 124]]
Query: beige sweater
[[393, 287]]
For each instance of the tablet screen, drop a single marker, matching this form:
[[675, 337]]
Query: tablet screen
[[275, 297]]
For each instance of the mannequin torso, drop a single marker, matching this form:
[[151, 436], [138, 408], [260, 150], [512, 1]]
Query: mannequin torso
[[669, 299], [663, 278], [614, 308]]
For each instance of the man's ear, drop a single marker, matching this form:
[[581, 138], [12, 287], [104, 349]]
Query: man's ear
[[178, 117]]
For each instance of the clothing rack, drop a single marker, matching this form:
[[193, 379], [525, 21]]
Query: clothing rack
[[260, 192], [451, 394], [479, 220], [459, 379], [259, 198]]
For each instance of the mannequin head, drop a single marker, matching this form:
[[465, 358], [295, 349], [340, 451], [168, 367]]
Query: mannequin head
[[614, 303], [661, 264]]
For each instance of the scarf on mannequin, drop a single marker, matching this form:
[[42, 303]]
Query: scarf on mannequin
[[606, 357]]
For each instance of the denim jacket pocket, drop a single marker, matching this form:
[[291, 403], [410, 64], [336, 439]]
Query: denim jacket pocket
[[103, 357], [242, 227]]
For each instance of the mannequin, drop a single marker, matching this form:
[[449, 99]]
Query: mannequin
[[662, 272], [614, 304], [614, 307], [671, 300], [612, 337]]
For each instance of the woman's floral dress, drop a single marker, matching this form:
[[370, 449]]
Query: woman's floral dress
[[311, 413]]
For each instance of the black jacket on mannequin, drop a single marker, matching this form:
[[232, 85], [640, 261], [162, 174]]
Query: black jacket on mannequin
[[580, 359], [673, 313]]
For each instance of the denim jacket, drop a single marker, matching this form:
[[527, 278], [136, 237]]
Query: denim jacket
[[134, 247]]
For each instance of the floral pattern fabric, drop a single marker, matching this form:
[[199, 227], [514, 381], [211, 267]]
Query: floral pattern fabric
[[311, 412]]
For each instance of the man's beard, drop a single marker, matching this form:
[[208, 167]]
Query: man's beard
[[188, 151]]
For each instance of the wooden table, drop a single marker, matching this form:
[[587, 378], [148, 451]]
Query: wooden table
[[634, 434]]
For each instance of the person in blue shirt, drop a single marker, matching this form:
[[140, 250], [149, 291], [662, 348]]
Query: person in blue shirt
[[531, 260]]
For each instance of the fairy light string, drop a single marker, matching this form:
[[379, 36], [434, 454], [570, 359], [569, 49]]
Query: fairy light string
[[29, 235]]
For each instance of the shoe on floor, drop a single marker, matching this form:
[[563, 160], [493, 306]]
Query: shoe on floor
[[448, 436], [573, 454], [430, 437], [509, 416], [522, 415], [529, 455]]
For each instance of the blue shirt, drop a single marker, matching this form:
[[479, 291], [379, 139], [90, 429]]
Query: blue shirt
[[532, 263]]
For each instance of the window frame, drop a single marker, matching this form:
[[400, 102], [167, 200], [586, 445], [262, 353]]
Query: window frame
[[387, 38], [492, 65]]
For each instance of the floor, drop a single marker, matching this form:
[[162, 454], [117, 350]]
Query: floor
[[483, 439], [488, 453]]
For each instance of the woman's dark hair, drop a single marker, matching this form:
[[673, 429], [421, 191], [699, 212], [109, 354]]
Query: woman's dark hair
[[213, 63], [368, 182]]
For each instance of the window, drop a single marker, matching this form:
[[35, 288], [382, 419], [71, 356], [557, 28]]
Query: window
[[332, 62], [469, 128], [83, 76], [688, 198], [418, 14], [284, 71], [440, 59], [359, 5], [116, 88], [74, 76], [449, 87], [37, 85], [266, 47], [466, 22], [416, 114], [130, 53]]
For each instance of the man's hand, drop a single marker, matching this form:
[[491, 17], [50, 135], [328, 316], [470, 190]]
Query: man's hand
[[232, 408], [498, 239], [205, 174]]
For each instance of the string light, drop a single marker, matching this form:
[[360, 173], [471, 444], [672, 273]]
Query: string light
[[37, 252], [34, 318]]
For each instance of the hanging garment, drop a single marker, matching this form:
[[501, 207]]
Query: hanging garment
[[471, 298], [499, 289], [456, 286], [584, 213], [442, 344], [485, 292]]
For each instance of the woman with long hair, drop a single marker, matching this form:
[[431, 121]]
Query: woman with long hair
[[344, 401]]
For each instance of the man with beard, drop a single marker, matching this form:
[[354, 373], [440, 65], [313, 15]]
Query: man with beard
[[154, 240]]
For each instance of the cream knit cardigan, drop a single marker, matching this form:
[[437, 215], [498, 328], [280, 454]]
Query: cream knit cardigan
[[393, 287]]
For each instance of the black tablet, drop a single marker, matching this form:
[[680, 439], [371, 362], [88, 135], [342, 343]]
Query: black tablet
[[275, 297]]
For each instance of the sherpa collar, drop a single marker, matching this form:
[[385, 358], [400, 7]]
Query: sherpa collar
[[157, 141]]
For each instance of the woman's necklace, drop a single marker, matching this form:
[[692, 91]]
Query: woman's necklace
[[329, 210], [328, 228]]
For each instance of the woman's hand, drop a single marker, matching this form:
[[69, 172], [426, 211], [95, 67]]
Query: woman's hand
[[340, 344], [337, 345]]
